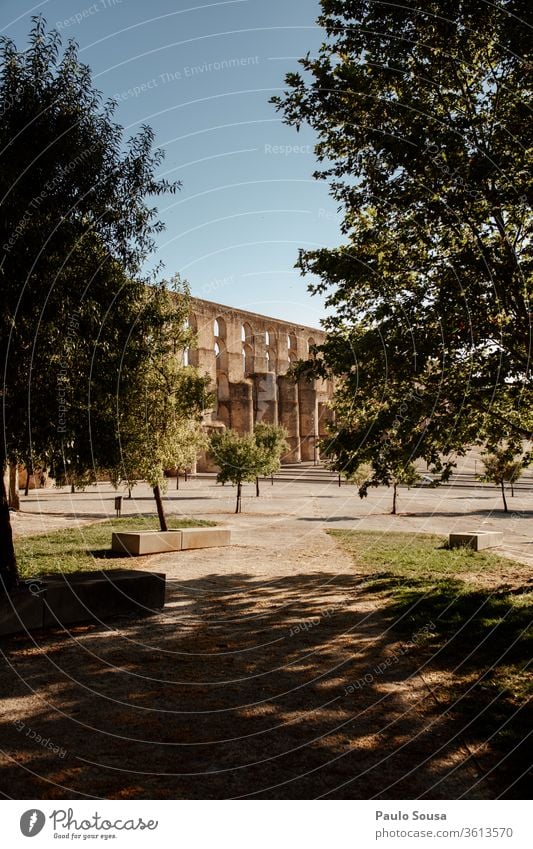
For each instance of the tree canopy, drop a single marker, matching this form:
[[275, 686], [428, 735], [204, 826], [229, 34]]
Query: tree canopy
[[160, 404], [423, 120], [76, 224], [239, 459]]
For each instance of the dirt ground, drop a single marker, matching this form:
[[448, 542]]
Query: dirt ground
[[271, 673]]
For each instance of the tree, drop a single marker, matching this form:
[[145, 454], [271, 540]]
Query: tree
[[503, 465], [424, 134], [161, 405], [239, 459], [376, 444], [272, 440], [186, 453], [75, 228]]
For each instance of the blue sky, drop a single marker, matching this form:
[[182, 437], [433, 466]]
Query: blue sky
[[201, 74]]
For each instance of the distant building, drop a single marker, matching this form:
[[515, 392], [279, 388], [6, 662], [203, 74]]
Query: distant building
[[247, 356]]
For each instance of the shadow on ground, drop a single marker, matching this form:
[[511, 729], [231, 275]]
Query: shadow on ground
[[291, 689]]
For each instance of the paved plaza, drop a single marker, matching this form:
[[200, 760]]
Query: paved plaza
[[294, 509], [244, 685]]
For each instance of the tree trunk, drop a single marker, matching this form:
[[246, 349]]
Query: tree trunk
[[394, 493], [256, 486], [8, 563], [160, 509], [185, 474], [272, 479], [29, 473], [178, 479], [72, 487], [239, 498], [129, 492], [13, 498], [512, 489], [504, 498]]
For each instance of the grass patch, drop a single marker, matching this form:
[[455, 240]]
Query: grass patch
[[477, 626], [85, 548]]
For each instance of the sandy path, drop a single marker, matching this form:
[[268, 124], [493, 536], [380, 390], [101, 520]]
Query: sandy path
[[259, 679]]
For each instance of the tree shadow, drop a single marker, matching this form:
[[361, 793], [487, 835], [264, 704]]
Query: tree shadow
[[290, 688]]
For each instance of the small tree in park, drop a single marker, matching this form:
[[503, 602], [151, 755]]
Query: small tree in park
[[502, 465], [187, 452], [393, 472], [272, 439], [162, 404], [239, 459], [376, 443]]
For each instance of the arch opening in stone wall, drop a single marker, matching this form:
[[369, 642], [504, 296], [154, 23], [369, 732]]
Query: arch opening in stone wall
[[292, 348], [271, 350], [247, 359], [190, 353], [248, 351], [222, 409], [219, 328], [221, 356]]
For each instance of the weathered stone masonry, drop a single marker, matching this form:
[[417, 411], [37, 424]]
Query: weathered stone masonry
[[247, 357]]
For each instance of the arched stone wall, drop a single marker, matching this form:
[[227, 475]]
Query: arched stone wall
[[247, 356]]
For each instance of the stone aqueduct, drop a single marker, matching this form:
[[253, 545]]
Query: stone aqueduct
[[247, 356]]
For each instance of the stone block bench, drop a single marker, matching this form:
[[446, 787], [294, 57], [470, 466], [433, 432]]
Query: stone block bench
[[157, 542], [477, 540], [69, 599]]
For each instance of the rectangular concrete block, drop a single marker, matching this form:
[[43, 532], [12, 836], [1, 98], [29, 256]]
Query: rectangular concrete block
[[477, 541], [70, 599], [100, 596], [19, 612], [204, 537], [145, 542]]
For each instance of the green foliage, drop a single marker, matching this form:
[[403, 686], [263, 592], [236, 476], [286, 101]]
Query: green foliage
[[161, 403], [502, 465], [272, 440], [239, 458], [74, 231], [425, 140]]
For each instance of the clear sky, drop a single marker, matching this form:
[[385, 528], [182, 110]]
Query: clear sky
[[201, 74]]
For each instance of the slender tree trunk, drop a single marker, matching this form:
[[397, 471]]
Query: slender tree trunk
[[502, 484], [13, 497], [29, 473], [257, 486], [512, 489], [178, 479], [272, 478], [238, 508], [160, 509], [8, 564], [129, 492], [73, 487], [185, 475], [394, 494]]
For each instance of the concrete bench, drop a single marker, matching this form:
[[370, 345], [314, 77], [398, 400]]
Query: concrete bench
[[145, 542], [159, 542], [477, 540], [69, 599]]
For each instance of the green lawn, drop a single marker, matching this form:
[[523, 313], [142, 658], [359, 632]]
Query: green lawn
[[467, 617], [86, 547]]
